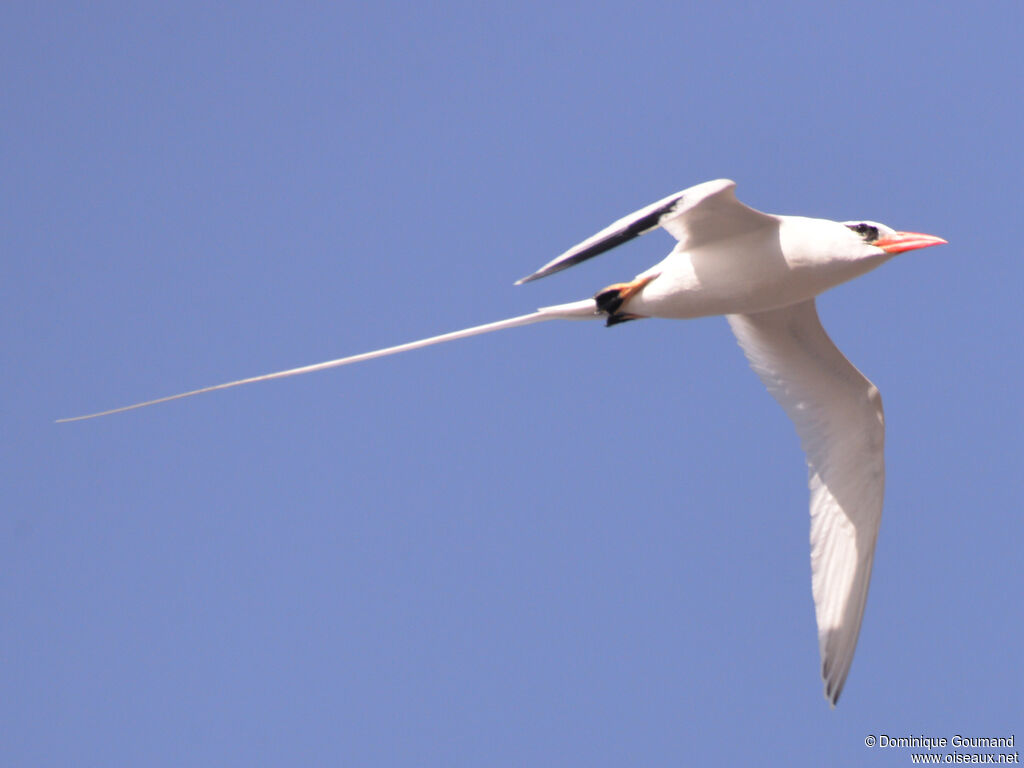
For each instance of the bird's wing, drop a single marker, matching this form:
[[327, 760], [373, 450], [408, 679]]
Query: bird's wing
[[838, 415], [708, 211]]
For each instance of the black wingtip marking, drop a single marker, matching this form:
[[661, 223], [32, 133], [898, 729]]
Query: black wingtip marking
[[633, 230]]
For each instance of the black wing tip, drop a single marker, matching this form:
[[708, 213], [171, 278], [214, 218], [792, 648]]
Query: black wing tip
[[833, 685], [640, 225]]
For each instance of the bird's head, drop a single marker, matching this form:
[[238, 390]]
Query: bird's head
[[888, 239]]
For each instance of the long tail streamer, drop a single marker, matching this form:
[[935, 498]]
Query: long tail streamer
[[579, 310]]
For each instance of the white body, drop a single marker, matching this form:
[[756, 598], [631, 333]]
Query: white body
[[756, 271]]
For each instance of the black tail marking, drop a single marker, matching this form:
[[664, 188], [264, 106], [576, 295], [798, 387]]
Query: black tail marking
[[609, 301]]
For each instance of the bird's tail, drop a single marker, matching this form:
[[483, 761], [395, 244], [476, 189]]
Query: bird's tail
[[577, 310]]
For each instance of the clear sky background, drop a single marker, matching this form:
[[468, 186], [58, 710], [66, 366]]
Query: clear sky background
[[559, 545]]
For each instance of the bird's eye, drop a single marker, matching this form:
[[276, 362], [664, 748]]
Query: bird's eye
[[867, 231]]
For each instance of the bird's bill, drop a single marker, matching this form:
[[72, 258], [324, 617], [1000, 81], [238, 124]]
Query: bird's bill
[[898, 242]]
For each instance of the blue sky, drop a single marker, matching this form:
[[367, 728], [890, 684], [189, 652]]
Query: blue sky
[[558, 545]]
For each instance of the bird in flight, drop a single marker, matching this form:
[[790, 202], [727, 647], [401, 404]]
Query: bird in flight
[[763, 273]]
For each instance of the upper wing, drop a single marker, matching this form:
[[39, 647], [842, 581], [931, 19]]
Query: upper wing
[[696, 215], [838, 415]]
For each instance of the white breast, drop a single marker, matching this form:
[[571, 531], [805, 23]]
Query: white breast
[[756, 271]]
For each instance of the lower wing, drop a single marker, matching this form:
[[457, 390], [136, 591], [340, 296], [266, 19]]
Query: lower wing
[[838, 415]]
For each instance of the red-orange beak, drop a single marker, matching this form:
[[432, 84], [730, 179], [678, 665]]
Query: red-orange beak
[[906, 241]]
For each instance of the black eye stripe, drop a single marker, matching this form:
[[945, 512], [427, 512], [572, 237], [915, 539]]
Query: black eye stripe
[[868, 232]]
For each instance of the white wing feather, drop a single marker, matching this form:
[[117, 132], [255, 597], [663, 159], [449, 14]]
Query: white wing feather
[[709, 212], [699, 214], [838, 415]]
